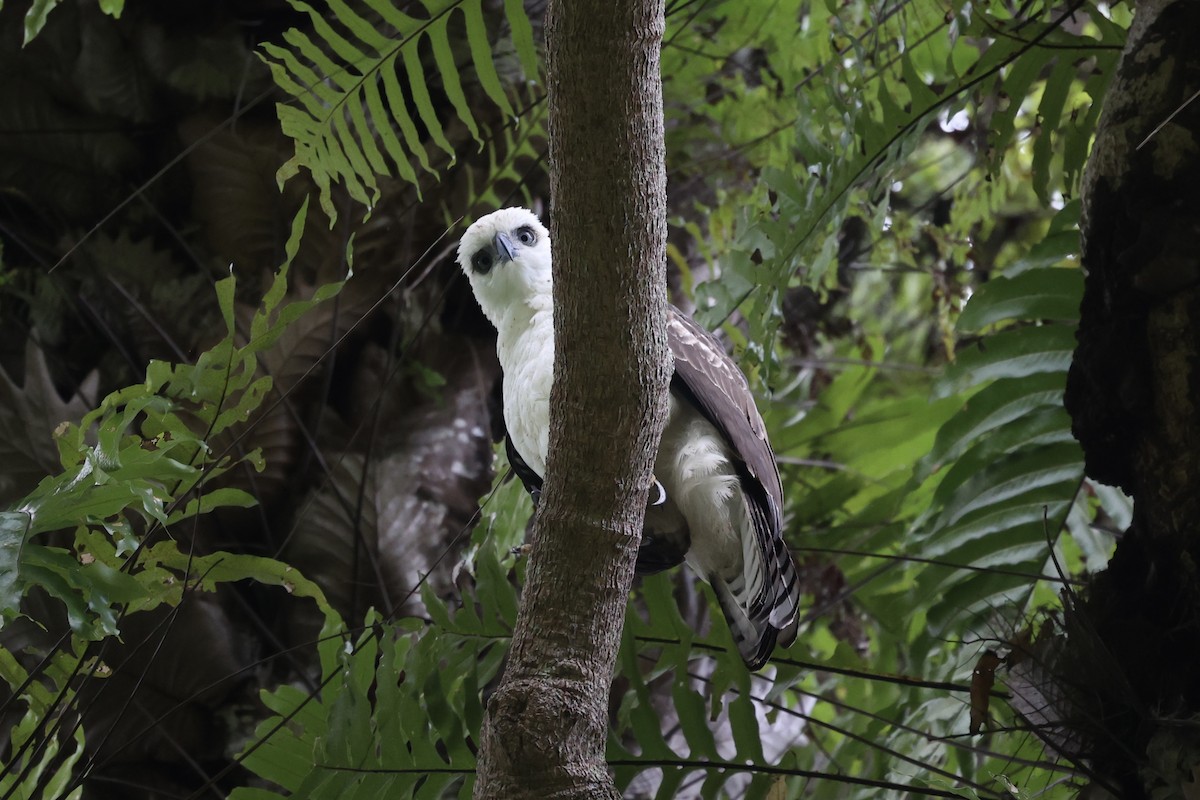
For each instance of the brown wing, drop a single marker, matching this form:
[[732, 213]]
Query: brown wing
[[707, 376]]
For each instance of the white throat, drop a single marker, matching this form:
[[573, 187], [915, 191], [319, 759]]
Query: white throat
[[525, 347], [506, 255]]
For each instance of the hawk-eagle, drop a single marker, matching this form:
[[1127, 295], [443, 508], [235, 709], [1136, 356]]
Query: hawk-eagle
[[720, 502]]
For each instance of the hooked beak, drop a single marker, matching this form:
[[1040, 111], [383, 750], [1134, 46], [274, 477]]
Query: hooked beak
[[505, 249]]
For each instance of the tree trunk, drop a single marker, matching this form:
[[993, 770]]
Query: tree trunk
[[1133, 650], [547, 722]]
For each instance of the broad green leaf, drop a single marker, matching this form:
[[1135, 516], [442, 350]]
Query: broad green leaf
[[1010, 478], [14, 526], [225, 497], [1050, 110], [693, 719], [1013, 353], [996, 405], [1039, 294], [747, 736], [439, 39], [35, 18]]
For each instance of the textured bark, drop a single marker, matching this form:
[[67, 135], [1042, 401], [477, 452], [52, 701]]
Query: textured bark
[[1134, 396], [546, 724]]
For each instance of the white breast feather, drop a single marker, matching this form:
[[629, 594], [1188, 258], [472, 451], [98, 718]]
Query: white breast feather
[[693, 463], [526, 355], [695, 466]]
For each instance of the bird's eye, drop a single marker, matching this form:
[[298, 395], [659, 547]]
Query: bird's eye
[[481, 262], [526, 235]]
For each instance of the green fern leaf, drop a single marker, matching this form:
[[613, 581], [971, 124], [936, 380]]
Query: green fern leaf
[[1040, 294], [923, 98], [39, 10], [398, 707], [1050, 110], [671, 782], [1015, 86], [512, 154], [522, 36], [693, 720], [1007, 479], [420, 95], [743, 723], [412, 143], [481, 54], [452, 84], [1004, 401], [1014, 353], [350, 98]]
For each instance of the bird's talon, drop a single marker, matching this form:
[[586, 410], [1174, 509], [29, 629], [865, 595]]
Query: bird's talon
[[658, 493]]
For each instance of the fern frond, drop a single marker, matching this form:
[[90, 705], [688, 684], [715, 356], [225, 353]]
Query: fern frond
[[43, 772], [1015, 468], [364, 97], [691, 706], [398, 706], [512, 154]]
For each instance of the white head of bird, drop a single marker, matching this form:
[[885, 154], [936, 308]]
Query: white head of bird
[[506, 256]]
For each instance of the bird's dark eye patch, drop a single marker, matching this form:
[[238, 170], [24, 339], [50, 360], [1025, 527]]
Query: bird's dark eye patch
[[481, 262], [526, 235]]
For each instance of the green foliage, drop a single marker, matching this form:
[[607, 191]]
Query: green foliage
[[355, 88], [42, 772], [942, 491], [928, 462], [148, 467], [859, 131], [952, 484], [135, 471], [400, 704], [1005, 469], [512, 153], [39, 10], [712, 697], [953, 501]]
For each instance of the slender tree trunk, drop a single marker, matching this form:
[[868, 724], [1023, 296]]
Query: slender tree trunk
[[1132, 664], [546, 725]]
